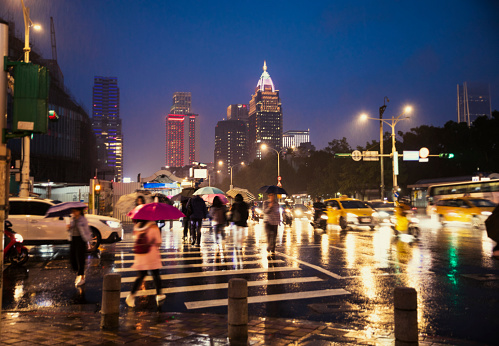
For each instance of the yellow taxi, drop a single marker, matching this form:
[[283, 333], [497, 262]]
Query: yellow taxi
[[463, 209], [349, 212]]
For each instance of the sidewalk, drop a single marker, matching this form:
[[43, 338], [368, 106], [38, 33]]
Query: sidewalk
[[154, 328]]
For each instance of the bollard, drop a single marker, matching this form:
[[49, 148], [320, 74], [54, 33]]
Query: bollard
[[406, 316], [111, 301], [238, 310]]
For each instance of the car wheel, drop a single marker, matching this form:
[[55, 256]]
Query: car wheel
[[343, 223], [95, 241], [19, 259], [372, 228], [475, 222]]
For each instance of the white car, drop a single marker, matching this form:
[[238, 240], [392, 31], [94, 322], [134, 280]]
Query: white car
[[27, 216]]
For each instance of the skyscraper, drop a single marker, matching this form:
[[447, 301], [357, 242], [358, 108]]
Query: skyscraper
[[473, 101], [106, 124], [230, 144], [237, 112], [295, 138], [265, 116], [182, 132]]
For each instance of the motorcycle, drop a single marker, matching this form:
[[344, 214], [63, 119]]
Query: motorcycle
[[287, 217], [320, 221], [405, 223], [14, 252]]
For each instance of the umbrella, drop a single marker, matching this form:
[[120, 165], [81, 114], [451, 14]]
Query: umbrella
[[208, 190], [64, 209], [127, 202], [209, 198], [178, 198], [155, 212], [188, 192], [273, 189], [247, 196]]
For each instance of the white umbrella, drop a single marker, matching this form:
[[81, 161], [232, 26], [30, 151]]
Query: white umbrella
[[247, 196], [127, 202], [208, 190]]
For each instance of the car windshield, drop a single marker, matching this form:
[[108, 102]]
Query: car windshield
[[484, 203], [353, 204], [379, 205]]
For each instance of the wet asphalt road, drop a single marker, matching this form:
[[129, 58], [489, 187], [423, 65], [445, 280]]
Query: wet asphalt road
[[333, 276]]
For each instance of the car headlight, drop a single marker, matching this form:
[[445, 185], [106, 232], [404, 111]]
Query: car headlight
[[112, 224], [258, 210], [452, 214], [19, 238], [486, 213], [351, 217], [287, 210], [324, 217], [375, 214], [383, 214], [298, 212]]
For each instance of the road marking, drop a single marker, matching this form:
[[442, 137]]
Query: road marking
[[186, 259], [198, 265], [322, 270], [214, 273], [268, 298], [182, 289], [190, 252]]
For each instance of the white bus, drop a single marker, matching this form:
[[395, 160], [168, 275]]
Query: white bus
[[488, 189]]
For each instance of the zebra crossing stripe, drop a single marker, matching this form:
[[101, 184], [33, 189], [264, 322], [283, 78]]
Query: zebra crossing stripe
[[198, 252], [198, 265], [322, 270], [268, 298], [213, 273], [182, 289], [186, 259]]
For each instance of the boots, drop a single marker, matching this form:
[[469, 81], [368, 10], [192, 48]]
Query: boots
[[130, 300]]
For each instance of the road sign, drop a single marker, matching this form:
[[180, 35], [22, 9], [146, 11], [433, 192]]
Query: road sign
[[370, 155], [410, 155], [396, 194], [356, 155], [279, 178]]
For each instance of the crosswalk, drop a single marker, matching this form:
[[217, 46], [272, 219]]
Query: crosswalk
[[207, 271]]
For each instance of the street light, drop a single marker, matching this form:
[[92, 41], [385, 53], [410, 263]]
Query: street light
[[265, 147], [220, 163], [24, 190], [392, 122]]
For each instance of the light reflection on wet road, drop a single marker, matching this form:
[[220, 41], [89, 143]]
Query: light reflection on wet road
[[311, 268]]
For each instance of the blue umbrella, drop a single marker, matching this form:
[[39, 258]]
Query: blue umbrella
[[273, 189], [64, 209]]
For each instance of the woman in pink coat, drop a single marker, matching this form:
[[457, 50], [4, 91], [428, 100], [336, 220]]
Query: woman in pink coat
[[150, 261]]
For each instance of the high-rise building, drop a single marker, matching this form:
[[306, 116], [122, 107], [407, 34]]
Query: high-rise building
[[295, 138], [230, 144], [181, 103], [182, 132], [473, 101], [265, 116], [237, 112], [106, 124]]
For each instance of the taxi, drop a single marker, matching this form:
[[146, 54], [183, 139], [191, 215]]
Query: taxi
[[463, 209], [349, 212]]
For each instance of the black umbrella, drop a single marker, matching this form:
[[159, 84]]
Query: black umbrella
[[273, 189], [188, 192]]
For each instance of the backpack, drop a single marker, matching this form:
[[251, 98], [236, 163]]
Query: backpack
[[142, 244]]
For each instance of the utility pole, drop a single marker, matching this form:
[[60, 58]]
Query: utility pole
[[381, 111]]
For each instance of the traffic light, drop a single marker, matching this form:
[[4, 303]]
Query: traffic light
[[446, 155], [53, 116], [97, 188]]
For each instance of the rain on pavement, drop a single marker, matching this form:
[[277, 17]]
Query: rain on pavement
[[338, 276]]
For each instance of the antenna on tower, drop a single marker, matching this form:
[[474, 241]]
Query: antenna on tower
[[52, 39]]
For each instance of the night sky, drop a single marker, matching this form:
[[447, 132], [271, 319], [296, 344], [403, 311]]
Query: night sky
[[330, 60]]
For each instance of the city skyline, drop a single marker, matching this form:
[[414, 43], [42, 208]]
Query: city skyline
[[335, 61]]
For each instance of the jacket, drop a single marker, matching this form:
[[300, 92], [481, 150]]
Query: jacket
[[80, 227], [242, 209], [198, 208], [219, 215], [152, 259]]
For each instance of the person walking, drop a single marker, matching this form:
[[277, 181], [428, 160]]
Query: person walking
[[218, 213], [80, 235], [185, 219], [239, 216], [140, 200], [271, 220], [198, 211], [149, 261]]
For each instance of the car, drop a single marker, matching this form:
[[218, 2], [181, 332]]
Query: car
[[349, 212], [27, 216], [471, 210], [384, 211]]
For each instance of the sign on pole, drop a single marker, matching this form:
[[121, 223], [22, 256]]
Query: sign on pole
[[356, 155], [370, 156]]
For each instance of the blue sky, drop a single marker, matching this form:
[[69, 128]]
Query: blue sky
[[330, 60]]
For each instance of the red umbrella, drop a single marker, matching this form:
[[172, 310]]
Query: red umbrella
[[155, 212], [209, 198]]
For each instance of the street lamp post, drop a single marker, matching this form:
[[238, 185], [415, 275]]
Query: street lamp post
[[24, 190], [381, 111], [392, 123], [265, 147], [240, 163]]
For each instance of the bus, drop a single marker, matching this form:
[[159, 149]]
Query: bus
[[488, 189]]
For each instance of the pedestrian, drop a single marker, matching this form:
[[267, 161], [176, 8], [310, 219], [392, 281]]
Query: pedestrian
[[169, 202], [271, 220], [198, 211], [80, 235], [492, 226], [239, 216], [149, 261], [185, 220], [218, 213], [140, 200]]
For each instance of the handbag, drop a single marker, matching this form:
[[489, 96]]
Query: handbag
[[141, 245]]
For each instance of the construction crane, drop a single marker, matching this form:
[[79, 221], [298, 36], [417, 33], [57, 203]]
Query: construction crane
[[52, 39]]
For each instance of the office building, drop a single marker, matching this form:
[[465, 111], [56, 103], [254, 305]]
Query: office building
[[473, 101], [265, 117], [106, 124], [182, 132], [295, 138], [230, 144], [237, 112]]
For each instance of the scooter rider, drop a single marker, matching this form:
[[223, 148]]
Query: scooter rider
[[319, 207]]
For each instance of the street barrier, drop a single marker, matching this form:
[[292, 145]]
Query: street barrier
[[111, 301], [406, 316], [238, 310]]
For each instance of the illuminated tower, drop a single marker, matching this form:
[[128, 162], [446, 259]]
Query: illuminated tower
[[106, 124], [265, 116]]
